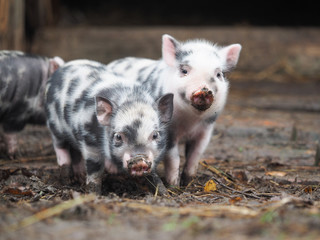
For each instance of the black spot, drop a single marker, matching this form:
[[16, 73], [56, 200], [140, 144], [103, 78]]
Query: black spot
[[67, 113], [212, 79], [73, 85], [182, 95], [116, 160], [140, 74], [190, 145], [170, 140], [57, 109], [181, 55], [131, 131], [93, 166], [211, 119], [75, 155]]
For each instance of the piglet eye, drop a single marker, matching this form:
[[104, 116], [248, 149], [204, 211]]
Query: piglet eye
[[219, 75], [117, 137], [184, 70], [155, 135]]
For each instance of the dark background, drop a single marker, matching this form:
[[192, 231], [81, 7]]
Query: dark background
[[197, 12]]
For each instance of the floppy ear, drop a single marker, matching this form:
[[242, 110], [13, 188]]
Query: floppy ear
[[165, 107], [103, 110], [231, 54], [170, 46]]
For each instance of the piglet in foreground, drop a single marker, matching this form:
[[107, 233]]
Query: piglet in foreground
[[100, 121], [194, 72], [23, 78]]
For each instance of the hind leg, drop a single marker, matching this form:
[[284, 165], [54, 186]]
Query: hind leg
[[10, 130], [63, 155]]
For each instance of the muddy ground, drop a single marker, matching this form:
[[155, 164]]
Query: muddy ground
[[261, 158]]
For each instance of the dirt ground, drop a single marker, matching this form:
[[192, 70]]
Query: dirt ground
[[262, 158]]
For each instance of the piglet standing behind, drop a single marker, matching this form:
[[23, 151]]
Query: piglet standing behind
[[194, 72], [23, 78], [100, 121]]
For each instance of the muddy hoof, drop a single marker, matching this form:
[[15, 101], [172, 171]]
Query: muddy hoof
[[185, 180], [93, 188], [158, 185], [65, 174]]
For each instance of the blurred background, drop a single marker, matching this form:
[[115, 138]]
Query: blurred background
[[281, 35]]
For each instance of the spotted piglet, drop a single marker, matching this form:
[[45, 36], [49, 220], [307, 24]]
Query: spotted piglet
[[194, 72], [101, 121], [22, 83]]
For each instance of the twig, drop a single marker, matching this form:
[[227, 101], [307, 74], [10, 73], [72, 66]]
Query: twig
[[218, 172], [200, 211], [234, 190], [50, 212]]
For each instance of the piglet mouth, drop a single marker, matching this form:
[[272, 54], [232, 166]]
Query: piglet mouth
[[202, 99], [139, 165]]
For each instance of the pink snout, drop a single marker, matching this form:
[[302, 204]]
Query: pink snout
[[139, 165], [202, 99]]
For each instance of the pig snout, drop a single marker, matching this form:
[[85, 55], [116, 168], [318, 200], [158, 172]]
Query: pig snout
[[139, 165], [202, 99]]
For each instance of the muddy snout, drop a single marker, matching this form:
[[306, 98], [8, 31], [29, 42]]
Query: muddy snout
[[202, 99], [139, 165]]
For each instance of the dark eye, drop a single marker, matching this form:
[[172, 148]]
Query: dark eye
[[117, 137], [155, 135], [219, 75], [184, 70]]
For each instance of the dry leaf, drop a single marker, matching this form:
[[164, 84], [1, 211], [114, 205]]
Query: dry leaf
[[276, 173], [308, 190], [210, 186], [235, 200], [16, 191]]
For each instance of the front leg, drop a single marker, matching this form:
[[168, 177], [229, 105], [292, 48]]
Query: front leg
[[158, 184], [94, 164], [194, 149], [171, 165]]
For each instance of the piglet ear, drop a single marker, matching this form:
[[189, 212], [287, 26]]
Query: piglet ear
[[103, 110], [170, 47], [231, 55], [54, 64], [165, 107]]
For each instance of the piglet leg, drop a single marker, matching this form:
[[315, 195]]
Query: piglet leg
[[171, 164], [64, 163], [194, 149], [11, 143], [158, 184], [94, 164]]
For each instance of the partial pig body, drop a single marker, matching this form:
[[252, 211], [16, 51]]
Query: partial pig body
[[22, 84], [194, 72], [101, 121]]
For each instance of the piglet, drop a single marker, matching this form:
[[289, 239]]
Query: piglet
[[23, 78], [194, 72], [101, 121]]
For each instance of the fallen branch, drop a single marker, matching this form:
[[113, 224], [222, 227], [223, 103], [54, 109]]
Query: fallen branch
[[199, 211], [50, 212], [220, 173]]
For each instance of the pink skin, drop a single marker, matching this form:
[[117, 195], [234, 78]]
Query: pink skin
[[12, 144], [139, 164], [140, 168], [63, 156]]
